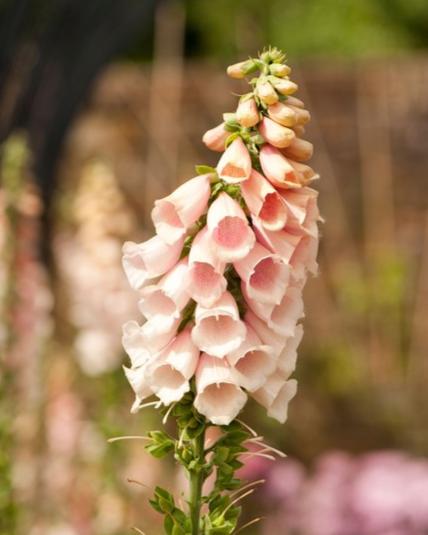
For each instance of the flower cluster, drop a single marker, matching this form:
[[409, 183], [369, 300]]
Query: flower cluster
[[221, 282]]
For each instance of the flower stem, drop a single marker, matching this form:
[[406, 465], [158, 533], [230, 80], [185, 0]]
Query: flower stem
[[196, 482]]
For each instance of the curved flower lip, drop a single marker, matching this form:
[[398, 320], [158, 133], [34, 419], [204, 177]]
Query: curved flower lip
[[148, 260], [308, 174], [303, 210], [276, 134], [174, 214], [287, 359], [229, 229], [235, 164], [218, 397], [169, 372], [270, 338], [282, 242], [247, 113], [299, 149], [252, 362], [281, 318], [264, 274], [138, 380], [305, 258], [215, 138], [278, 170], [218, 330], [264, 201], [204, 280], [134, 344], [158, 331], [169, 296], [275, 395]]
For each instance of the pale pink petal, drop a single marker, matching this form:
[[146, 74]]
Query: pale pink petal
[[299, 149], [305, 258], [137, 378], [134, 344], [270, 338], [150, 259], [215, 138], [282, 114], [264, 274], [205, 281], [252, 361], [229, 229], [303, 211], [275, 396], [305, 170], [280, 318], [264, 201], [287, 358], [169, 372], [218, 329], [247, 113], [169, 296], [158, 331], [174, 214], [218, 397], [277, 168], [282, 243], [235, 164], [277, 135]]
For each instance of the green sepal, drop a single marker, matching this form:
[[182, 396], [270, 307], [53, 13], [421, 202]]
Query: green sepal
[[204, 169], [231, 139], [161, 444]]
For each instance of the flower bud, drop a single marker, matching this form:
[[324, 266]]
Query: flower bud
[[276, 134], [283, 85], [241, 69], [299, 149], [282, 114], [215, 138], [247, 113], [266, 92], [294, 101], [279, 69]]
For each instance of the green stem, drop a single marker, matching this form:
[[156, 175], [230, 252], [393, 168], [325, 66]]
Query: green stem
[[196, 482]]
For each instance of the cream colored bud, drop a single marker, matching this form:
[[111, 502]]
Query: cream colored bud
[[302, 116], [241, 69], [279, 69], [299, 130], [283, 85], [299, 149], [282, 114], [247, 113], [266, 92], [294, 101]]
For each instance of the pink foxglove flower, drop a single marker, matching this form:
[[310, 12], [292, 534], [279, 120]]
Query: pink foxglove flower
[[137, 378], [276, 134], [264, 201], [247, 113], [275, 395], [150, 259], [205, 282], [170, 371], [264, 274], [278, 170], [218, 396], [215, 138], [235, 164], [288, 356], [228, 226], [218, 329], [269, 337], [174, 214], [253, 361]]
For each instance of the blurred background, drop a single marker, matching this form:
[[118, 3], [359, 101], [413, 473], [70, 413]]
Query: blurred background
[[102, 109]]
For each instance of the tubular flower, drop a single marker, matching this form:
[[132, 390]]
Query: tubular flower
[[220, 284]]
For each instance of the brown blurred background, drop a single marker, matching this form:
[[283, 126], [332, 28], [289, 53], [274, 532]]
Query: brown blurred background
[[102, 109]]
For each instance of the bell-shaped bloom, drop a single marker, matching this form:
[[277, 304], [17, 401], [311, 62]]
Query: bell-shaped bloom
[[282, 242], [280, 318], [305, 170], [134, 344], [229, 229], [149, 260], [277, 169], [275, 395], [215, 138], [286, 363], [138, 379], [252, 362], [169, 296], [174, 214], [264, 201], [269, 337], [204, 281], [264, 275], [283, 114], [305, 258], [247, 113], [170, 371], [303, 213], [218, 329], [299, 149], [276, 134], [158, 331], [266, 92], [218, 396], [235, 163], [283, 85]]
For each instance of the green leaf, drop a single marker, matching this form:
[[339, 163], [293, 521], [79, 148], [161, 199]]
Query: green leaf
[[204, 169], [168, 525]]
